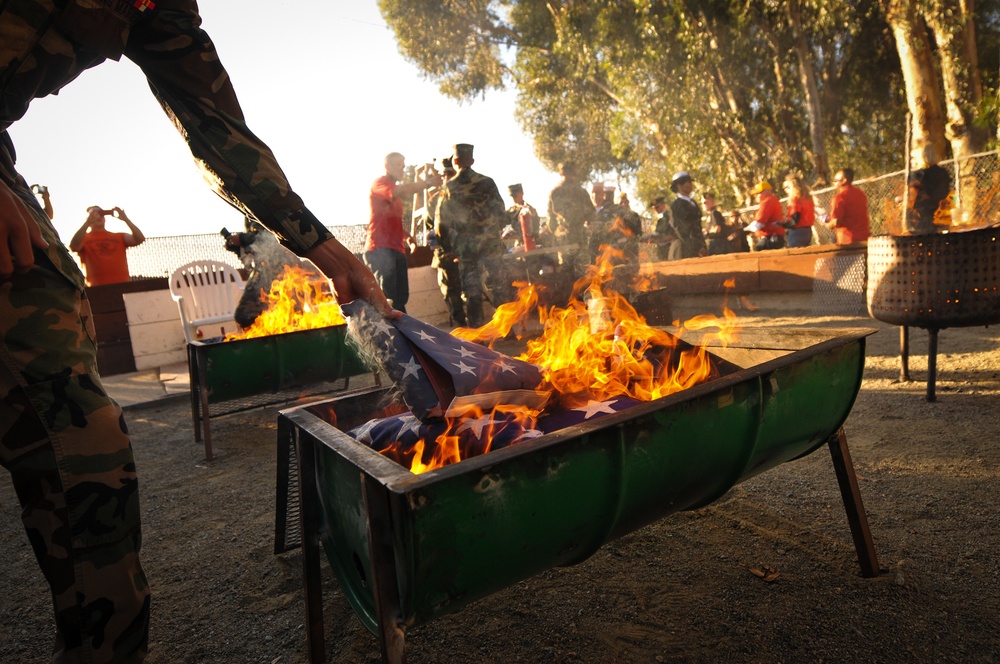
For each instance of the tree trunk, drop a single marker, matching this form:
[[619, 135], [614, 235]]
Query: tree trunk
[[923, 93], [807, 78], [955, 34]]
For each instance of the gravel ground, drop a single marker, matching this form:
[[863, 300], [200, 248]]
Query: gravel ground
[[680, 590]]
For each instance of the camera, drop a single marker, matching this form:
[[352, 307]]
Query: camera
[[39, 189]]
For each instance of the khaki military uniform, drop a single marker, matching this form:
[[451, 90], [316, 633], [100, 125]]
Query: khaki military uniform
[[62, 438]]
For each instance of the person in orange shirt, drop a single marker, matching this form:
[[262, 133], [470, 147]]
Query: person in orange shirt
[[801, 212], [103, 252], [849, 211], [767, 226]]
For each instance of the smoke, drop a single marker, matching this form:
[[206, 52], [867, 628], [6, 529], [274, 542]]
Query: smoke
[[364, 322]]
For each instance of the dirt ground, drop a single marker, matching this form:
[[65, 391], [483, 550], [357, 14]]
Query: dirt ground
[[680, 590]]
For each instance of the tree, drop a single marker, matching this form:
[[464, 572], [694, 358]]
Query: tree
[[733, 91]]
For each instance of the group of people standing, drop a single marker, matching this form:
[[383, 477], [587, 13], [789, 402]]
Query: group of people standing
[[470, 225], [467, 215], [773, 226]]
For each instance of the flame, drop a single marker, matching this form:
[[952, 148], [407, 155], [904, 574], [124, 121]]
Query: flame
[[448, 446], [596, 348], [298, 300], [506, 317]]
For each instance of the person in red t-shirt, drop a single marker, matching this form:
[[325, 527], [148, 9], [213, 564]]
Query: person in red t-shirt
[[388, 242], [767, 226], [801, 212], [849, 211], [103, 252]]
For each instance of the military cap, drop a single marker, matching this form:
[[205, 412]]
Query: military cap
[[679, 179], [463, 150], [515, 189]]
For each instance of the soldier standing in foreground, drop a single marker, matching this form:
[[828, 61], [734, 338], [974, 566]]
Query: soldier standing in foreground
[[62, 438], [469, 220]]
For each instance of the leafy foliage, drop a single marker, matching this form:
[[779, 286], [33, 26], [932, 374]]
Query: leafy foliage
[[644, 88]]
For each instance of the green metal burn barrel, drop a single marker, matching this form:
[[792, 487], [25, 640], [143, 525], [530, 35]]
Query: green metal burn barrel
[[461, 532]]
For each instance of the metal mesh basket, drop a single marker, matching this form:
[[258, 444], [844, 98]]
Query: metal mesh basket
[[935, 281]]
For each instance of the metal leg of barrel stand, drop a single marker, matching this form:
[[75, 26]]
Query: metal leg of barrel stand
[[904, 354], [195, 388], [932, 343], [385, 585], [206, 419], [312, 583], [851, 496]]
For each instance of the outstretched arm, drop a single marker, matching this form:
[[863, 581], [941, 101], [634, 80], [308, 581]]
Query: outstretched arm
[[77, 240], [136, 237], [351, 279]]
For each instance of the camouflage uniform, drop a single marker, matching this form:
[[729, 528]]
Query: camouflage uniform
[[571, 208], [62, 438], [571, 211], [448, 278], [469, 219]]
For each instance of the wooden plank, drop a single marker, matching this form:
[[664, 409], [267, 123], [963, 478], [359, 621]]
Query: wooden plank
[[150, 307], [109, 297], [157, 338]]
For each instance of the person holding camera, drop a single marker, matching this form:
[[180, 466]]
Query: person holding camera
[[42, 192], [103, 252]]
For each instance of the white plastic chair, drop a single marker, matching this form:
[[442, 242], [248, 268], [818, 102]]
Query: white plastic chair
[[207, 293]]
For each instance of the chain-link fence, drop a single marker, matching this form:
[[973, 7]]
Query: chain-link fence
[[976, 201], [160, 256]]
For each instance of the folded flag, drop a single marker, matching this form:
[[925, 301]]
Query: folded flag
[[397, 436], [438, 374]]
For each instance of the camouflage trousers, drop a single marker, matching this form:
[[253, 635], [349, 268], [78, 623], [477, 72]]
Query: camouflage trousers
[[450, 283], [483, 278], [65, 444]]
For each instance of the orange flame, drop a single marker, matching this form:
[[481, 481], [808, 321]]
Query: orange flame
[[596, 348], [448, 446], [298, 300], [506, 317]]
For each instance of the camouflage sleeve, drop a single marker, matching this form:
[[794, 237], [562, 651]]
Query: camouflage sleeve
[[184, 72], [495, 206]]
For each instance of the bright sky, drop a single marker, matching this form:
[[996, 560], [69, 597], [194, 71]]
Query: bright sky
[[322, 83]]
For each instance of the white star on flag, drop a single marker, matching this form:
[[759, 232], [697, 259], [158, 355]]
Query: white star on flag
[[364, 432], [382, 326], [465, 368], [410, 425], [410, 368], [426, 337], [465, 352], [595, 407], [503, 365], [477, 425], [528, 434]]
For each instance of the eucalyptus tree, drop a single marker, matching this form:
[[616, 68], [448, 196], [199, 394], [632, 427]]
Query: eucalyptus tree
[[733, 90]]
